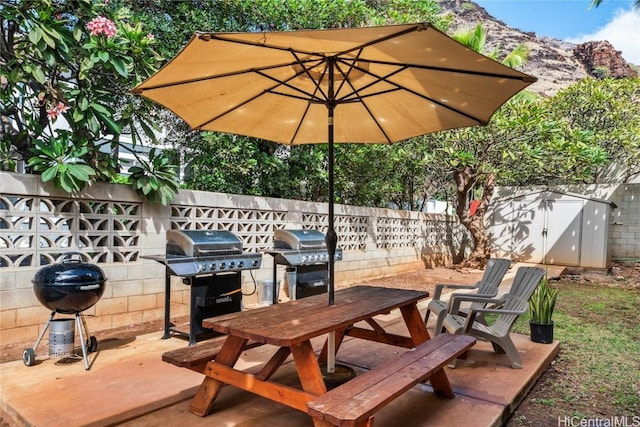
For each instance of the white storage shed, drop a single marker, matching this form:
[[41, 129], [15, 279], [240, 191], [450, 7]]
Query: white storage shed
[[551, 227]]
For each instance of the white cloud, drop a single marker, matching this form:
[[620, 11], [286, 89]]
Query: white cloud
[[623, 32]]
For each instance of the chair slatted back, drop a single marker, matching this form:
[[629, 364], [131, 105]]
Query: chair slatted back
[[491, 279], [525, 282]]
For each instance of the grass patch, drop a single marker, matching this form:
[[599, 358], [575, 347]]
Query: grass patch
[[597, 372]]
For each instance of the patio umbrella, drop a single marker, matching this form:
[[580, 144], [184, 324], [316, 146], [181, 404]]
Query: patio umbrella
[[358, 85]]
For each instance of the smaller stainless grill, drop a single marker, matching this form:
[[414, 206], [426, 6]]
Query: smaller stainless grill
[[306, 254], [301, 247]]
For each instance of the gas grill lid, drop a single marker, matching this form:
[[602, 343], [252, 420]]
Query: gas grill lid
[[202, 243], [298, 239]]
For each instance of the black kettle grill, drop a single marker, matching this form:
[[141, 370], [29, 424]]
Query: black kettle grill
[[68, 287]]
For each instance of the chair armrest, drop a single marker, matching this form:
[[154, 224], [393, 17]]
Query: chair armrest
[[498, 311], [483, 296], [441, 286], [456, 299], [468, 325]]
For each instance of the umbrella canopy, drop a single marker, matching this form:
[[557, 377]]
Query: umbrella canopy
[[358, 85], [389, 83]]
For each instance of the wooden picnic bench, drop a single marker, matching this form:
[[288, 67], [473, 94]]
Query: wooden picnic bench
[[354, 403], [197, 356], [289, 329]]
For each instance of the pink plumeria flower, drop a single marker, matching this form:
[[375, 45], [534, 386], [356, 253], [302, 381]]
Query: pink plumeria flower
[[62, 108], [56, 110], [151, 36], [102, 25]]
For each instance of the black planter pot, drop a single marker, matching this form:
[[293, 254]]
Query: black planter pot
[[541, 333]]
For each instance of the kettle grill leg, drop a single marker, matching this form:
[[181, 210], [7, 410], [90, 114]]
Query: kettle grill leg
[[82, 326], [29, 354]]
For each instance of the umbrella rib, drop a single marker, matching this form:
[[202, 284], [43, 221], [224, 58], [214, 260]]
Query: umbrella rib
[[423, 27], [417, 27], [245, 102], [355, 92], [385, 79], [298, 61], [523, 77], [293, 137], [306, 71], [220, 36], [308, 96], [352, 64]]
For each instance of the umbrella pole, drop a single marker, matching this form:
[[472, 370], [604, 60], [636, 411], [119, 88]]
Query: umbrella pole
[[332, 237], [332, 240]]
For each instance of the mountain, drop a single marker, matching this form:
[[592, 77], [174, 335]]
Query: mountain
[[556, 63]]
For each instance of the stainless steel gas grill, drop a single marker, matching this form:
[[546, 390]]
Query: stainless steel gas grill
[[195, 252], [306, 255], [211, 263]]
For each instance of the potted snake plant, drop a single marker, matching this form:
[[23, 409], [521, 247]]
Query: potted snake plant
[[541, 306]]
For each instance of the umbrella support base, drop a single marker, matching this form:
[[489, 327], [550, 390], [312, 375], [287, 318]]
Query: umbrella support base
[[341, 375]]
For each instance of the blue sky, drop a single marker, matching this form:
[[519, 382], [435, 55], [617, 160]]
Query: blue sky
[[574, 21]]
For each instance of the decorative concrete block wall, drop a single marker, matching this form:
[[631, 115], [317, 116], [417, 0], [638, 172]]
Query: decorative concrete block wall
[[113, 228]]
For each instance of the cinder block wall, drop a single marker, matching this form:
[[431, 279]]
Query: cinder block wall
[[625, 226], [114, 229]]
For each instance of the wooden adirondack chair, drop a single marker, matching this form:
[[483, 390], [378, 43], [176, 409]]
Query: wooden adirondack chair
[[487, 287], [509, 307]]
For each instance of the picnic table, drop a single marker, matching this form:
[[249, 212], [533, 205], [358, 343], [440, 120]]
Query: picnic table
[[291, 326]]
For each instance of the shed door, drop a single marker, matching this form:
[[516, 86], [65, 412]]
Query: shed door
[[562, 234]]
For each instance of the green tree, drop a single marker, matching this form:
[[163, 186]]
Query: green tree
[[475, 155], [242, 165], [523, 144], [607, 121], [66, 71], [383, 175], [528, 141], [476, 40]]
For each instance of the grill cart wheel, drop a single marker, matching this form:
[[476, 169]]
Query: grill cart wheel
[[92, 344], [29, 357]]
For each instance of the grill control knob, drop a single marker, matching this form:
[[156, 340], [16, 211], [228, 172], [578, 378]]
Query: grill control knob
[[240, 264], [214, 266], [232, 264], [223, 265]]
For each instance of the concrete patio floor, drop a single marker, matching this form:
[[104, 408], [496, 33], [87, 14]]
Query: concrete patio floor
[[128, 384]]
